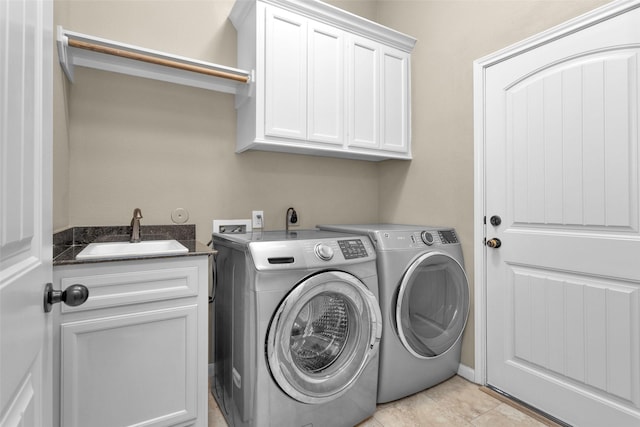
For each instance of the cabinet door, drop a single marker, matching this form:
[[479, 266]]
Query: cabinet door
[[326, 83], [286, 74], [364, 92], [394, 102], [130, 369]]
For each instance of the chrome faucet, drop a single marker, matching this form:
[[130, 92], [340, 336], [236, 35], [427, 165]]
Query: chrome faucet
[[135, 226]]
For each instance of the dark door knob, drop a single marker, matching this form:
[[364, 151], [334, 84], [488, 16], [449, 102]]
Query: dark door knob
[[494, 243], [73, 296], [495, 220]]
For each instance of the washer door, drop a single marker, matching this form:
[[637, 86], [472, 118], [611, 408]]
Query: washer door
[[322, 336], [432, 305]]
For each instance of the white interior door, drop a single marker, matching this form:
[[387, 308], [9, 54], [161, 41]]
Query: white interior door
[[26, 46], [563, 289]]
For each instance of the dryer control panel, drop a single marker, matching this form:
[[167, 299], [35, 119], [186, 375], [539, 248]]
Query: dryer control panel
[[448, 236], [415, 239]]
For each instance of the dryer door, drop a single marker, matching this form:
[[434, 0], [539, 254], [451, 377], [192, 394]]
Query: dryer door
[[432, 305], [322, 336]]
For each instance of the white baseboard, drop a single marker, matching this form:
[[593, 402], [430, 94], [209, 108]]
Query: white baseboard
[[467, 373]]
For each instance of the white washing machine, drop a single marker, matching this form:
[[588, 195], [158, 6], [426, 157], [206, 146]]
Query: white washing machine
[[424, 299], [297, 328]]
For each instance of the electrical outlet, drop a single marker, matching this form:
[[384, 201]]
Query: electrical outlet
[[257, 219]]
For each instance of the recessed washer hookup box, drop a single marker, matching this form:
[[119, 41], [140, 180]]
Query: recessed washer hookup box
[[234, 226]]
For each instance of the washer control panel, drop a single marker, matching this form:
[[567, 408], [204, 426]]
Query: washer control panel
[[352, 248], [275, 250]]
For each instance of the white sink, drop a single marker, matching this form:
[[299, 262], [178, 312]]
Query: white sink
[[131, 250]]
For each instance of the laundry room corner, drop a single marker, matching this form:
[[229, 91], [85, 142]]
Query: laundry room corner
[[436, 187]]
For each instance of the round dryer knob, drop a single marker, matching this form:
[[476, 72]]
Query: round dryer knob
[[427, 238], [324, 252]]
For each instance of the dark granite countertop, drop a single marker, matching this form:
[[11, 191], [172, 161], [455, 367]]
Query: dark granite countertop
[[68, 243]]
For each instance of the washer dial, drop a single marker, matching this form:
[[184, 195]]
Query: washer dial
[[324, 252], [427, 238]]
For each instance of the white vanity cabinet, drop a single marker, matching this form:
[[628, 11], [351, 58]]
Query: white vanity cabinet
[[135, 353], [326, 82]]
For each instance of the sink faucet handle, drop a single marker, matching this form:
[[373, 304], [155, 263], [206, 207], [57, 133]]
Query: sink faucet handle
[[137, 213]]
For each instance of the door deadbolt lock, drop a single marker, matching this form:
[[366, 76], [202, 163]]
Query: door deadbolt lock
[[73, 296], [494, 243], [495, 220]]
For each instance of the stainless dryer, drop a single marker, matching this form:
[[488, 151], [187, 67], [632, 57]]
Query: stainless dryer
[[297, 328], [424, 299]]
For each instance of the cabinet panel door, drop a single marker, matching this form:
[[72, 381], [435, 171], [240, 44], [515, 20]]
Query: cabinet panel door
[[286, 74], [326, 83], [364, 92], [130, 369], [394, 104]]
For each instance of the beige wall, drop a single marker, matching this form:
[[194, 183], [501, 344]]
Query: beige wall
[[123, 142]]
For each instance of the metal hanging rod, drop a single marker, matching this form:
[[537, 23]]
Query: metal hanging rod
[[158, 61]]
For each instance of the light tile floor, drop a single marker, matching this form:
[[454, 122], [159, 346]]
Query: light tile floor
[[456, 402]]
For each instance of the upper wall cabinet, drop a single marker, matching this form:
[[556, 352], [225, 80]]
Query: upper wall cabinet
[[326, 82]]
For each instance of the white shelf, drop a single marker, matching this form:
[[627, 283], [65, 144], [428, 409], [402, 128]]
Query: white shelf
[[76, 49]]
